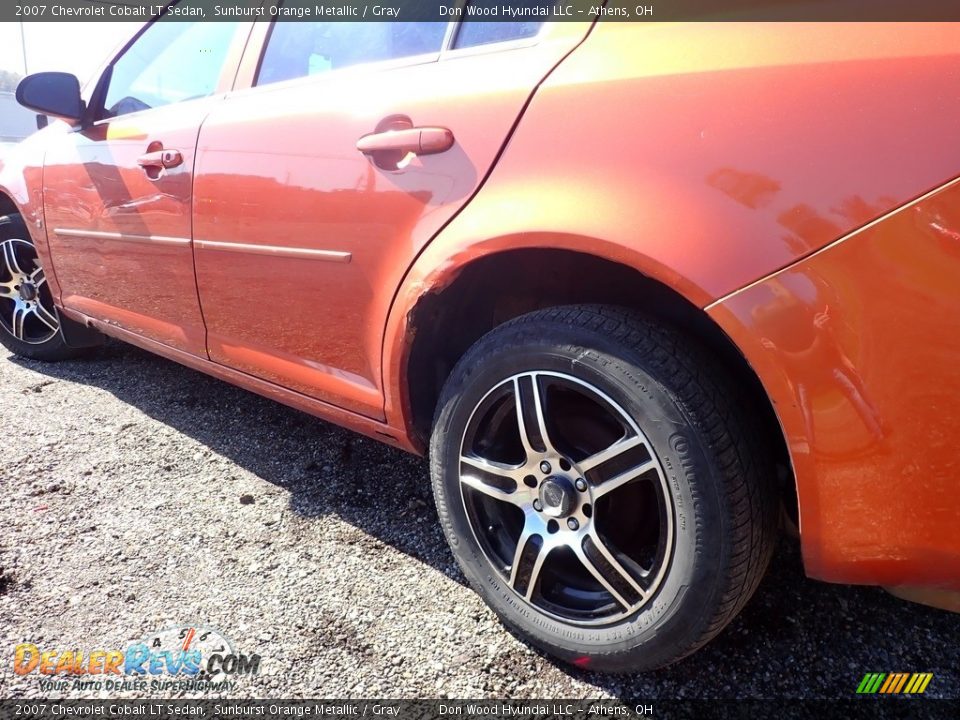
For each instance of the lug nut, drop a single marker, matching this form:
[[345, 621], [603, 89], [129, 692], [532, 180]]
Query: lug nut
[[537, 505], [544, 467], [572, 523], [581, 484]]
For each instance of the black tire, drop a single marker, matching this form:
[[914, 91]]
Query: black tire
[[38, 340], [720, 482]]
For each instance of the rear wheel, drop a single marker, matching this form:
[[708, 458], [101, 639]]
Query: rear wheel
[[599, 487], [29, 323]]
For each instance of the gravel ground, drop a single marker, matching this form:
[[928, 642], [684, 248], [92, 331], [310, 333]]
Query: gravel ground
[[138, 495]]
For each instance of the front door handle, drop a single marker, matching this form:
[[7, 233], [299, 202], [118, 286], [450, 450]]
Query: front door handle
[[416, 140], [159, 159]]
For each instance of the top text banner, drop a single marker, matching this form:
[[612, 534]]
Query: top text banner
[[481, 10]]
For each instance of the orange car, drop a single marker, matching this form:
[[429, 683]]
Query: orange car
[[645, 292]]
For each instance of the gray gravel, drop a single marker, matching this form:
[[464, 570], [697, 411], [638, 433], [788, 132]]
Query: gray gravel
[[138, 494]]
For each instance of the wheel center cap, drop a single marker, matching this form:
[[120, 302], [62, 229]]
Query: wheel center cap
[[28, 291], [557, 496]]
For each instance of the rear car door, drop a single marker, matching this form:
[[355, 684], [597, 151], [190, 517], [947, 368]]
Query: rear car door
[[117, 193], [318, 184]]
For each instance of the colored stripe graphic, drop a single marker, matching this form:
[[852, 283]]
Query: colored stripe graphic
[[918, 683], [914, 679], [871, 683], [903, 680], [894, 683]]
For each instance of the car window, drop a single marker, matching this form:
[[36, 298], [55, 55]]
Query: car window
[[172, 61], [301, 49], [477, 29]]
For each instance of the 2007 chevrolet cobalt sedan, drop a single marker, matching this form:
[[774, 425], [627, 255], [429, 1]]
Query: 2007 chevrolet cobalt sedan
[[645, 292]]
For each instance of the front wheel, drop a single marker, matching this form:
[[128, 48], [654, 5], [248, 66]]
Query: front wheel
[[29, 323], [598, 487]]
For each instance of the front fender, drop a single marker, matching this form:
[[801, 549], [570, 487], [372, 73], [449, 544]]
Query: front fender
[[21, 182]]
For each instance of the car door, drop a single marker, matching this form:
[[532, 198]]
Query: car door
[[118, 191], [317, 186]]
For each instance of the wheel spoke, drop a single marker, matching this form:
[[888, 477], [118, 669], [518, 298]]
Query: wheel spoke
[[627, 476], [7, 291], [46, 317], [531, 418], [609, 453], [593, 578], [514, 497], [19, 316], [490, 468], [38, 278], [616, 566], [600, 577], [523, 578], [613, 467], [10, 260]]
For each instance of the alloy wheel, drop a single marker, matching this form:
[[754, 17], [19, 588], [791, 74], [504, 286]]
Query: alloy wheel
[[567, 498], [26, 305]]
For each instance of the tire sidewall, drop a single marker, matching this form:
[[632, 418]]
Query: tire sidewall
[[682, 604]]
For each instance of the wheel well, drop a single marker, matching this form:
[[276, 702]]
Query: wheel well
[[7, 206], [506, 285]]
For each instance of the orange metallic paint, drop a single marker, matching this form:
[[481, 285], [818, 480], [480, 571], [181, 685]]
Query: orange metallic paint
[[92, 184], [858, 347], [712, 155], [350, 420], [121, 236], [717, 159], [278, 165]]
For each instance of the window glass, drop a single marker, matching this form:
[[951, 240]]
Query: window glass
[[172, 61], [300, 49], [474, 30]]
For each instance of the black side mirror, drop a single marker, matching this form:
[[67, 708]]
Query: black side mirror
[[52, 93]]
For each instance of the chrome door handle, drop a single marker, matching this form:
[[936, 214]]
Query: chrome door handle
[[160, 159], [418, 140]]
